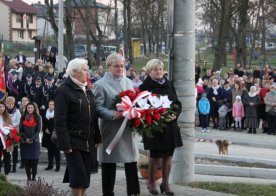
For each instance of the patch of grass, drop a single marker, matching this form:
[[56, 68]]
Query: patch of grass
[[241, 189], [7, 188]]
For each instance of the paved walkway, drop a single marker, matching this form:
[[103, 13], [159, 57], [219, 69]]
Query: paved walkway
[[95, 189], [246, 145]]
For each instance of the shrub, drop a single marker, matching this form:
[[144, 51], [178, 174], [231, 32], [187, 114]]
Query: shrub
[[42, 188]]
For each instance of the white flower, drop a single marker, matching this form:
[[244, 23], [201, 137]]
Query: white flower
[[154, 101], [143, 103], [165, 102]]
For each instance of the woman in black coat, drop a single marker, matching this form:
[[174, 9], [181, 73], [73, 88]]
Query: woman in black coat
[[29, 128], [76, 125], [163, 143], [48, 129]]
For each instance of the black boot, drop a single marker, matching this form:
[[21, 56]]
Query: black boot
[[22, 165], [14, 169], [249, 131], [49, 167], [57, 168], [254, 131]]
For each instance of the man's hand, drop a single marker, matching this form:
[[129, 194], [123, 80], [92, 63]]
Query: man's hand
[[29, 141], [117, 115], [67, 151], [47, 131]]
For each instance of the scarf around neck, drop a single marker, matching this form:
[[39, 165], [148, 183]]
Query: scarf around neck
[[50, 114], [29, 121], [81, 85]]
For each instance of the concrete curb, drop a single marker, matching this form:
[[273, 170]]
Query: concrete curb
[[235, 171], [235, 158]]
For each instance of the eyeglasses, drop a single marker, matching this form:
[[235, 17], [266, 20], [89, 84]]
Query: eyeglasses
[[117, 66]]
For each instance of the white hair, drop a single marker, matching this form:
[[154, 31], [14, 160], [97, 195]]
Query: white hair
[[75, 64], [114, 58], [153, 63]]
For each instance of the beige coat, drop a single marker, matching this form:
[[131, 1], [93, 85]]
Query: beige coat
[[126, 150], [270, 101]]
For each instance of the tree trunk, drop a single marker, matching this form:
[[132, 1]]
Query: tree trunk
[[241, 57], [220, 49], [184, 82], [50, 13]]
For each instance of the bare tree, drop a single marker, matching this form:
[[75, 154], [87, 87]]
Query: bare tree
[[51, 16]]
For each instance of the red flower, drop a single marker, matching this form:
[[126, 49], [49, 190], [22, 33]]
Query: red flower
[[156, 111], [123, 93], [128, 92], [148, 119], [137, 91], [154, 95], [148, 111], [162, 110], [17, 139], [137, 122], [143, 113], [13, 133], [8, 143], [131, 95], [156, 116]]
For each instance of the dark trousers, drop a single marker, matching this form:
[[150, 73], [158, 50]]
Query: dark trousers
[[94, 162], [6, 161], [15, 156], [53, 152], [229, 120], [31, 168], [109, 176], [204, 120], [271, 124]]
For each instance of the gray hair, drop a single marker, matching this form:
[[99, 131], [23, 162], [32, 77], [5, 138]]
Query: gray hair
[[75, 64], [153, 63], [114, 58]]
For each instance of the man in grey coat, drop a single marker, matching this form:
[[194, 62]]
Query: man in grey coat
[[126, 150]]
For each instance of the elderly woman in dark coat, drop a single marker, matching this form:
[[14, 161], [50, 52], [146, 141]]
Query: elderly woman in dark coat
[[251, 101], [163, 143], [29, 128], [76, 125]]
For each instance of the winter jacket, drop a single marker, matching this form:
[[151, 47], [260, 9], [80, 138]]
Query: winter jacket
[[204, 106], [238, 109], [75, 118], [223, 110]]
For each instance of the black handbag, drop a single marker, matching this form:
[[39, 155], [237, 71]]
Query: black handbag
[[272, 112]]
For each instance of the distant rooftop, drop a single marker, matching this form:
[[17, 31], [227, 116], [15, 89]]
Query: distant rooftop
[[19, 6]]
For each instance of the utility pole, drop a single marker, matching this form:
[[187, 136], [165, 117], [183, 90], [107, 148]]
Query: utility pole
[[60, 36], [182, 72]]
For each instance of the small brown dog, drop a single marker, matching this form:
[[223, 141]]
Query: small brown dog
[[222, 146]]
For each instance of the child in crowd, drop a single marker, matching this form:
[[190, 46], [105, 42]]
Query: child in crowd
[[223, 110], [204, 109], [238, 112]]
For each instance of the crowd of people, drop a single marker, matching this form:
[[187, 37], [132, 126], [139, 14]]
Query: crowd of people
[[73, 112], [241, 99]]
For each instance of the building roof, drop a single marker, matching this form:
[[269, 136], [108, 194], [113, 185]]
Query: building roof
[[80, 4], [19, 6]]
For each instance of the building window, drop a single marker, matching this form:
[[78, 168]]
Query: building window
[[21, 34], [30, 34], [29, 18], [19, 18]]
